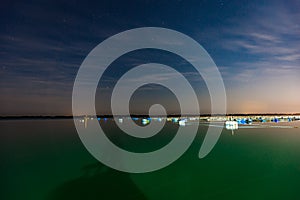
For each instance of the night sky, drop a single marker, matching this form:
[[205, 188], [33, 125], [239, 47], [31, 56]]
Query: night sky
[[255, 44]]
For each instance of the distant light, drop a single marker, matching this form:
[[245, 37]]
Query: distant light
[[174, 120], [182, 122], [145, 121]]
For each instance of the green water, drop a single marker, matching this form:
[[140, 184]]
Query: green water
[[45, 159]]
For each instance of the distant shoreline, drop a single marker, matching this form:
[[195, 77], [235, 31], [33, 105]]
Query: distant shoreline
[[139, 116]]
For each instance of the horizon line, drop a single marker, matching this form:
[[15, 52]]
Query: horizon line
[[145, 115]]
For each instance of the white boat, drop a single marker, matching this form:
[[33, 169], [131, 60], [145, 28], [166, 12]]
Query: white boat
[[231, 125]]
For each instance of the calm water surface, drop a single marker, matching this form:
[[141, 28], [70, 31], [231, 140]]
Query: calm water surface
[[45, 159]]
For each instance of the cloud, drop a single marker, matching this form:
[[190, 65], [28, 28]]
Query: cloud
[[271, 29], [265, 69], [268, 38]]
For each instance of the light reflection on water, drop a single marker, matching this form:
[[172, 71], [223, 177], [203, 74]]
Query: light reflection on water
[[43, 159]]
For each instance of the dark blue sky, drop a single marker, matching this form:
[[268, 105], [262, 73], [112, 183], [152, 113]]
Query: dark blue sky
[[255, 44]]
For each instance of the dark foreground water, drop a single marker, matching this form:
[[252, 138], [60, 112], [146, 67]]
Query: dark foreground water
[[45, 159]]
